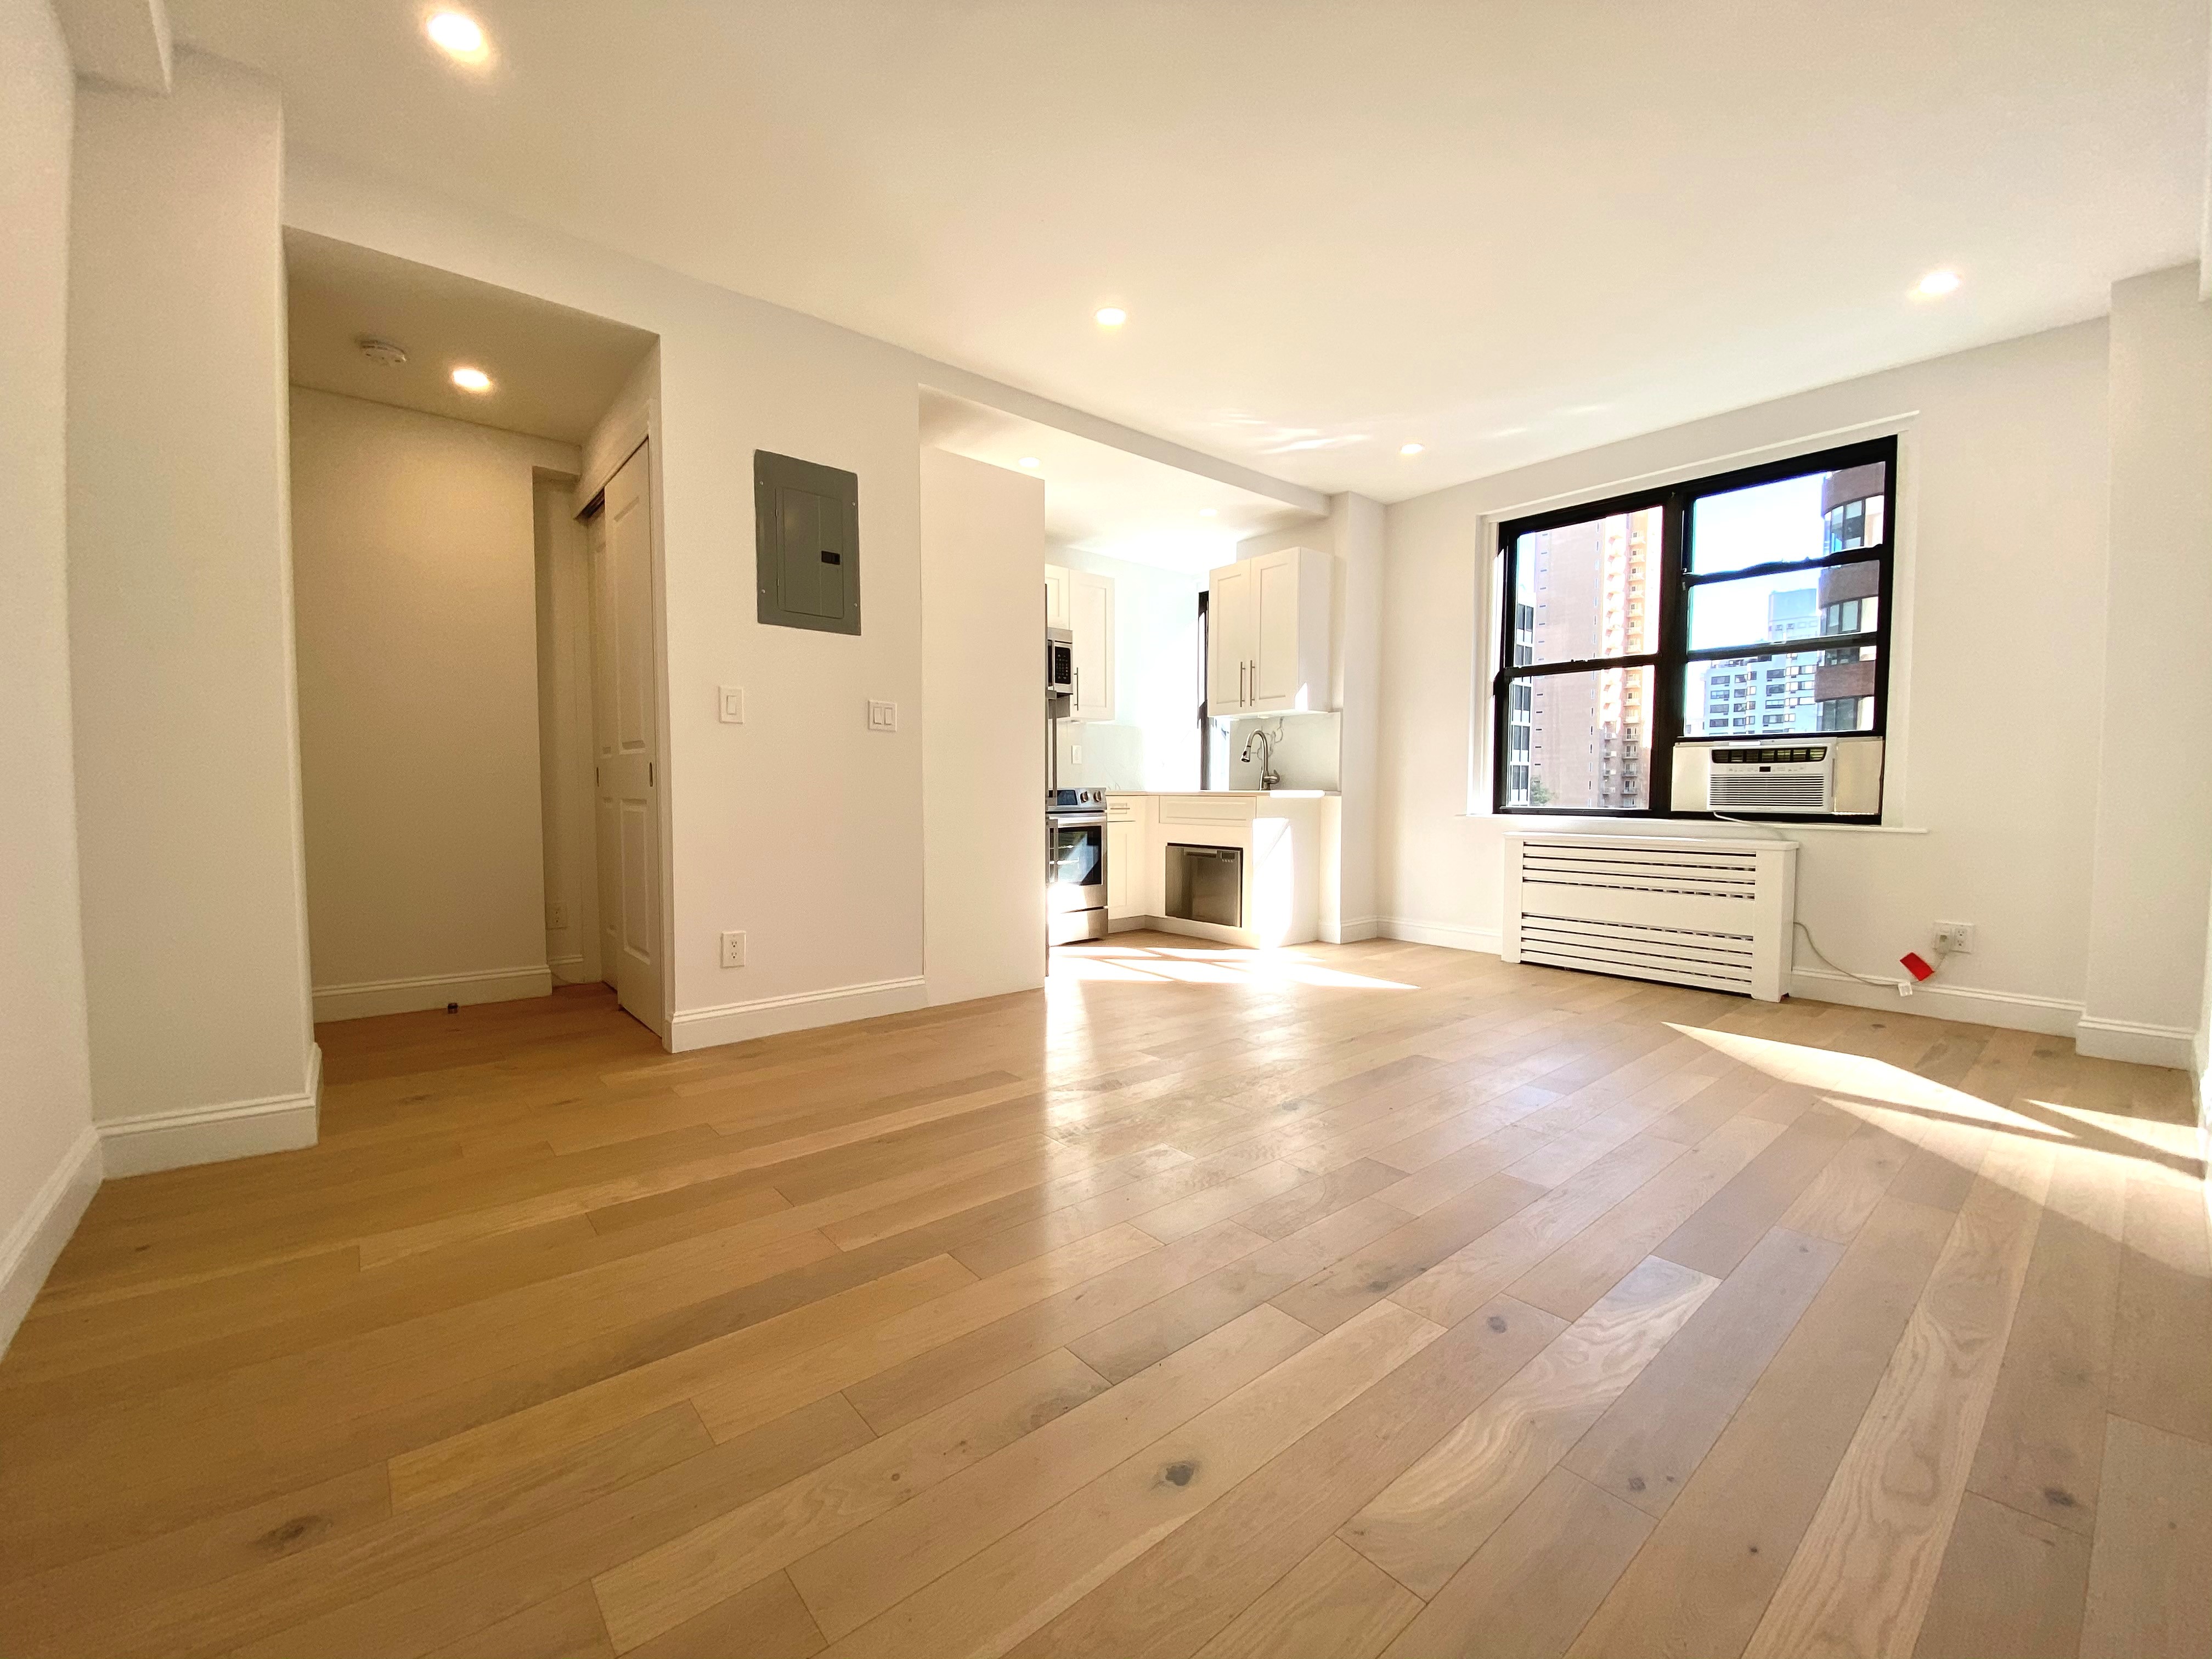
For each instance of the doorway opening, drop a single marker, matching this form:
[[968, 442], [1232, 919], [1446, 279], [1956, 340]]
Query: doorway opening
[[475, 558]]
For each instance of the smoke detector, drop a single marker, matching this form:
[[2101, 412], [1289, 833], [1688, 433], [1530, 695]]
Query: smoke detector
[[382, 352]]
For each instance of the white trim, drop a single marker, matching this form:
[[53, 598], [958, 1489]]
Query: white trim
[[407, 996], [738, 1021], [1351, 929], [209, 1134], [2017, 1011], [28, 1253], [2170, 1046], [1452, 937]]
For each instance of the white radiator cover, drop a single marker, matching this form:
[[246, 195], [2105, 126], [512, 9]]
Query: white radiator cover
[[1716, 914]]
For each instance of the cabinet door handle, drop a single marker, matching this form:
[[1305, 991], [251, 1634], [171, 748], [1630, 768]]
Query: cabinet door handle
[[1242, 698], [1078, 687]]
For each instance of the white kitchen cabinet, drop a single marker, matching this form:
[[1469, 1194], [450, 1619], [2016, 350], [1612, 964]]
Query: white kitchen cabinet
[[1055, 596], [1090, 619], [1267, 628], [1125, 845]]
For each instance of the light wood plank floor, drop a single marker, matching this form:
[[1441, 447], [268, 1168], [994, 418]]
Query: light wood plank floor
[[1374, 1299]]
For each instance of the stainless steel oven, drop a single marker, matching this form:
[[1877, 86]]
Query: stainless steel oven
[[1075, 866]]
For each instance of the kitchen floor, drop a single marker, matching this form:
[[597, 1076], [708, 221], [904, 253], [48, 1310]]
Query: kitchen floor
[[1335, 1301]]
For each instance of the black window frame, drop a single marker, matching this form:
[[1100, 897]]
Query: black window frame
[[1670, 590]]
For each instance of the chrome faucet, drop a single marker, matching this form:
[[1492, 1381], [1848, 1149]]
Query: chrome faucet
[[1268, 776]]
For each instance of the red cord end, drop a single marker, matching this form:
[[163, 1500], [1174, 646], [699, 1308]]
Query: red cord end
[[1917, 965]]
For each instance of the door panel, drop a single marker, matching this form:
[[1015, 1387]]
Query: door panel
[[1091, 609], [1228, 609], [628, 725], [1274, 646]]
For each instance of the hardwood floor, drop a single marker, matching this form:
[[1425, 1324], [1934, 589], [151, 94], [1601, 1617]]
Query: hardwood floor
[[1358, 1300]]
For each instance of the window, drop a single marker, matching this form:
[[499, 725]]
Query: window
[[1741, 605]]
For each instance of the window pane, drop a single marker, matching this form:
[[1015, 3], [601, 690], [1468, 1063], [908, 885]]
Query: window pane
[[1789, 605], [1588, 590], [1788, 520], [1791, 691], [1584, 741]]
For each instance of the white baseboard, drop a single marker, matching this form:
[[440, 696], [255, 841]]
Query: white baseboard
[[568, 970], [31, 1247], [2015, 1011], [407, 996], [1452, 937], [1351, 929], [737, 1022], [2173, 1046], [208, 1134]]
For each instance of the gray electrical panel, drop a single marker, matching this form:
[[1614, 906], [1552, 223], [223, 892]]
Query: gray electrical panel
[[807, 549]]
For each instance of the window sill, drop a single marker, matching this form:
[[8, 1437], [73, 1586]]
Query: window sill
[[1635, 826]]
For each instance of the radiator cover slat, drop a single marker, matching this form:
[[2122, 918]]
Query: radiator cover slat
[[1714, 914]]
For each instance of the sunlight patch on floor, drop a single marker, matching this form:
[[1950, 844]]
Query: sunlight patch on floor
[[1970, 1131], [1205, 965]]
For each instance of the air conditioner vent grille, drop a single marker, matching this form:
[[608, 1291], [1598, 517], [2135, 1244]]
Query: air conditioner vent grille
[[1768, 791]]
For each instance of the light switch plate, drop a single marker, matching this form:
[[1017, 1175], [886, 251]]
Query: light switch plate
[[733, 705], [733, 950], [883, 716]]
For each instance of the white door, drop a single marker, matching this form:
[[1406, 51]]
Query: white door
[[1228, 617], [1091, 617], [1272, 681], [1121, 869], [1055, 596], [628, 757]]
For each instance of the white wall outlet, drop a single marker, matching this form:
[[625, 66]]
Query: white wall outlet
[[1077, 754], [883, 716], [733, 950], [1955, 938], [733, 705], [556, 916]]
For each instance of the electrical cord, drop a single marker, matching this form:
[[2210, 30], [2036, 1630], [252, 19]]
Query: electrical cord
[[1903, 988]]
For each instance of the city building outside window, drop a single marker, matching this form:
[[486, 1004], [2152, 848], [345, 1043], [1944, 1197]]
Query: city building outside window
[[1747, 604]]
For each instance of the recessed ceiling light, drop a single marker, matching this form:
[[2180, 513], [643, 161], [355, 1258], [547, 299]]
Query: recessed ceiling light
[[1112, 317], [471, 380], [1411, 449], [1206, 513], [456, 35], [1937, 283], [1030, 461]]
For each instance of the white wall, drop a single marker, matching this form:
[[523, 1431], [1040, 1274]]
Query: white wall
[[800, 826], [1151, 742], [180, 623], [1995, 693], [982, 715], [415, 571], [565, 767], [2154, 853], [49, 1159]]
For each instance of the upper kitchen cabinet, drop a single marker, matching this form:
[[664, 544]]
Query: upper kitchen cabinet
[[1090, 617], [1083, 604], [1267, 633]]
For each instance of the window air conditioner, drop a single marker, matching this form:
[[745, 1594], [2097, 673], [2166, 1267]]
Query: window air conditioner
[[1772, 777]]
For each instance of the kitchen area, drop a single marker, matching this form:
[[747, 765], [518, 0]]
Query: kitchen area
[[1187, 734], [1193, 751]]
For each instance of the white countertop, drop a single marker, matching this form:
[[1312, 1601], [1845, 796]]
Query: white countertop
[[1255, 795]]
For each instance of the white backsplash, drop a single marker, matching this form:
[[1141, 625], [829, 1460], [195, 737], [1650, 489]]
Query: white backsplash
[[1308, 754]]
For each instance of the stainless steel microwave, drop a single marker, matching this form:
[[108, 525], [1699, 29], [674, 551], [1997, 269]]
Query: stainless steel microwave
[[1059, 662]]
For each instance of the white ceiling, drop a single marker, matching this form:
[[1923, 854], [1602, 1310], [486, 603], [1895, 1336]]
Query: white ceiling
[[1104, 500], [1505, 229], [554, 371]]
